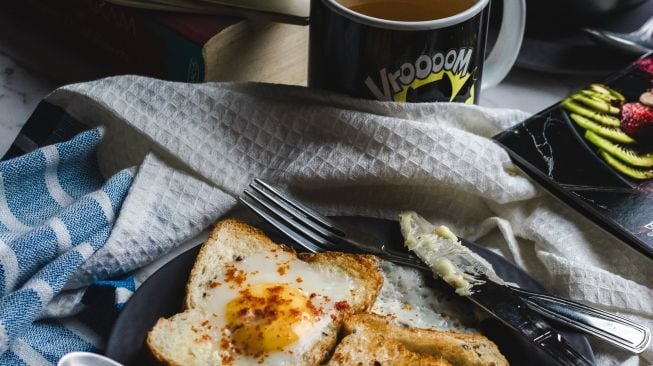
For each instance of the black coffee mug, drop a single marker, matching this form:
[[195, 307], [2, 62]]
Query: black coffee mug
[[440, 60]]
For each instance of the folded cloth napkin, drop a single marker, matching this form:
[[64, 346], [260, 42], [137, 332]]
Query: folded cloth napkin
[[198, 146]]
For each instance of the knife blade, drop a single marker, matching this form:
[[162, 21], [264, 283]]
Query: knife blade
[[614, 329], [473, 277]]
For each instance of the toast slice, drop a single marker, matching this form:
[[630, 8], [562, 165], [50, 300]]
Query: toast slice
[[373, 340], [197, 335]]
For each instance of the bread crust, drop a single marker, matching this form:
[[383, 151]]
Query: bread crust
[[370, 338], [158, 355]]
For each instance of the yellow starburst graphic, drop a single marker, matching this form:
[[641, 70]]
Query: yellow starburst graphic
[[457, 83]]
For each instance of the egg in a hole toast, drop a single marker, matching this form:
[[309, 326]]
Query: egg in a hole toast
[[252, 301]]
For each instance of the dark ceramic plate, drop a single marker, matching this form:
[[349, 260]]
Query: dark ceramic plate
[[579, 132], [161, 296]]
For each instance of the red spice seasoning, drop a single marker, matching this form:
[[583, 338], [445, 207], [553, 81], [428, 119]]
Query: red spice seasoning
[[283, 268], [227, 359], [312, 308], [342, 305], [338, 357], [235, 275]]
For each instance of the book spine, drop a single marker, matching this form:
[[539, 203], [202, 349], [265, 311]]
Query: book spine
[[182, 59], [120, 40]]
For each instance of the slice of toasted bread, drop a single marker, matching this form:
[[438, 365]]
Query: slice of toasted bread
[[193, 337], [374, 340]]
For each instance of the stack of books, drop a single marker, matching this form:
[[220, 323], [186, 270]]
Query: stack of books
[[178, 46]]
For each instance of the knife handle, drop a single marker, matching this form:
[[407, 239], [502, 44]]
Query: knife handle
[[614, 329], [560, 350]]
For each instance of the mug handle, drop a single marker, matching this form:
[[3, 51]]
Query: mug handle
[[505, 51]]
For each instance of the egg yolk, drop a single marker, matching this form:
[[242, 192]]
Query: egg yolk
[[268, 317]]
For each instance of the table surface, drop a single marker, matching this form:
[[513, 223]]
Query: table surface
[[26, 59]]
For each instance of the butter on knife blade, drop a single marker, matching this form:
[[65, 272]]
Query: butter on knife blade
[[442, 251], [474, 277]]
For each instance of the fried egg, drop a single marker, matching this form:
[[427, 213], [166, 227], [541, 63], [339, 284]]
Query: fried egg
[[270, 308], [412, 298]]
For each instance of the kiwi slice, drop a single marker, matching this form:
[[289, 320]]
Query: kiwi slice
[[601, 97], [606, 90], [614, 134], [598, 105], [622, 153], [625, 168], [602, 118]]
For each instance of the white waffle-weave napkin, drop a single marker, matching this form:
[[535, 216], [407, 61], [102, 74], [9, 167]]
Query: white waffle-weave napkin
[[198, 146]]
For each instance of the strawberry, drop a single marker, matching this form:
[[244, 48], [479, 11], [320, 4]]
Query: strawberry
[[637, 122]]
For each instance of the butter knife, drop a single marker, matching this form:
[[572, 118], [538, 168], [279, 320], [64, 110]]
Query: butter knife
[[617, 330], [611, 328]]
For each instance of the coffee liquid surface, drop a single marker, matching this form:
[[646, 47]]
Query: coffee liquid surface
[[408, 10]]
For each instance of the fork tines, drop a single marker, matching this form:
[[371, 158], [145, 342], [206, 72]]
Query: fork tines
[[311, 230], [308, 228]]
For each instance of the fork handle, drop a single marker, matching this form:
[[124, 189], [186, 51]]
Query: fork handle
[[614, 329]]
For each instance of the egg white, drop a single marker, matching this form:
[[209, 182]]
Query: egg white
[[263, 268], [407, 297]]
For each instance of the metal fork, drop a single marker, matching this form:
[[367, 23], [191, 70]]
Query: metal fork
[[317, 233]]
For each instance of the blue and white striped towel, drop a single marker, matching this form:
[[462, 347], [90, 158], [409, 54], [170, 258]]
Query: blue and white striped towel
[[56, 210]]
